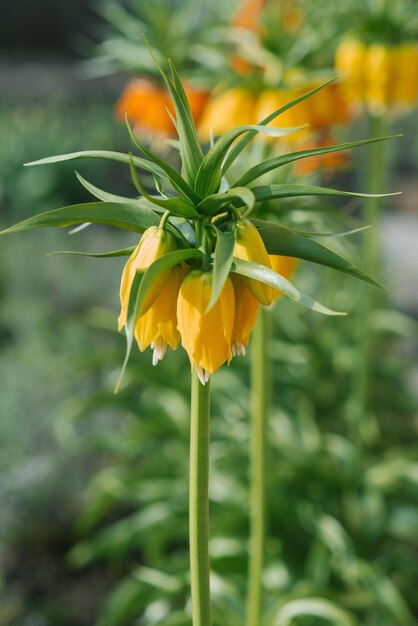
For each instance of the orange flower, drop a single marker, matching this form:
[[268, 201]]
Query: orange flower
[[146, 104], [230, 108]]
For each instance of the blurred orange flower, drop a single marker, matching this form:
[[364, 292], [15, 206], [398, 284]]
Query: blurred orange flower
[[146, 103]]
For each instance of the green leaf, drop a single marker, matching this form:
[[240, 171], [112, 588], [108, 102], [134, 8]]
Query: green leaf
[[114, 253], [119, 157], [101, 194], [177, 206], [135, 217], [287, 242], [272, 164], [178, 183], [267, 276], [210, 172], [271, 192], [140, 289], [223, 257], [315, 607], [214, 203], [244, 141], [190, 150]]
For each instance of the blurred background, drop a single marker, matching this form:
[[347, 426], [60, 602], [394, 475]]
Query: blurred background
[[93, 487]]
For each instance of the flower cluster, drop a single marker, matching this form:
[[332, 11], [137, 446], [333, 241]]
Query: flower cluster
[[177, 306], [378, 75]]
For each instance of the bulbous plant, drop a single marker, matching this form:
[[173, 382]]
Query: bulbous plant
[[201, 269]]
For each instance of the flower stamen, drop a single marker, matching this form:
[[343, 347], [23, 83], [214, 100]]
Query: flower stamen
[[159, 347]]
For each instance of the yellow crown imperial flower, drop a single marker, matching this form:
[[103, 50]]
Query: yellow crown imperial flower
[[250, 247], [158, 326], [231, 108], [246, 311], [283, 265], [206, 335], [154, 243]]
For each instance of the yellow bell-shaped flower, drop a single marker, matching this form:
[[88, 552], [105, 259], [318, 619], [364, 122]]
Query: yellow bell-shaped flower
[[230, 108], [206, 336], [283, 265], [246, 310], [349, 62], [250, 247], [272, 99], [378, 77], [154, 243], [405, 86], [158, 326]]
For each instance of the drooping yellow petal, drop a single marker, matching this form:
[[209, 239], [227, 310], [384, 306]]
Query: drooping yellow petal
[[405, 76], [250, 247], [246, 311], [159, 324], [154, 243], [350, 59], [206, 336], [378, 76], [283, 265]]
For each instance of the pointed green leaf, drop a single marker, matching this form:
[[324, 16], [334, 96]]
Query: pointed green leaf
[[135, 217], [287, 242], [272, 164], [177, 206], [244, 141], [178, 183], [190, 150], [114, 253], [213, 204], [267, 276], [210, 172], [223, 257], [271, 192], [101, 194], [130, 324], [119, 157]]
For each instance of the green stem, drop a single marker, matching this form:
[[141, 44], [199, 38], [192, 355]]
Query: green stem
[[199, 501], [376, 177], [260, 388]]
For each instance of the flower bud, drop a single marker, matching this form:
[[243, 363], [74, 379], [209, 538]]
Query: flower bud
[[250, 247]]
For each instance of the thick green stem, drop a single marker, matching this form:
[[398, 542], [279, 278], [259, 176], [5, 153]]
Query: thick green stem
[[376, 177], [260, 389], [199, 501]]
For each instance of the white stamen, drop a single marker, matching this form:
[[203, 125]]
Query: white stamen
[[238, 349], [159, 347], [202, 374]]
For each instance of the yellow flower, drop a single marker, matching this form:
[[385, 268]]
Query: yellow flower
[[231, 108], [206, 336], [154, 243], [405, 86], [378, 77], [272, 99], [283, 265], [250, 247], [158, 326], [246, 310], [349, 62]]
